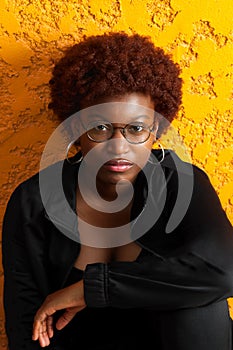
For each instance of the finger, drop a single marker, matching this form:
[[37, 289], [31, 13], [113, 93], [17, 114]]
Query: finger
[[43, 335], [50, 326], [36, 330], [67, 316], [39, 318], [44, 339]]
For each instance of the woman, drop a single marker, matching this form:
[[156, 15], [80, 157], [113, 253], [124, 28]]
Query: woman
[[165, 280]]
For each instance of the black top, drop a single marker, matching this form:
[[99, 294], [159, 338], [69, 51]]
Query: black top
[[189, 267]]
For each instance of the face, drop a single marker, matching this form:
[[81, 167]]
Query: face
[[118, 158]]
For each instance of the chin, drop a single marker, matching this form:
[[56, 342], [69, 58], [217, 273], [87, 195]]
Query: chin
[[114, 177]]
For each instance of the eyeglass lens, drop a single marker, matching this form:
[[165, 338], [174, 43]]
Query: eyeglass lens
[[133, 132]]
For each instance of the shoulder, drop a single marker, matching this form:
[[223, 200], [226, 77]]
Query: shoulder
[[179, 172], [182, 170], [194, 186], [46, 180], [190, 194], [51, 174], [173, 162]]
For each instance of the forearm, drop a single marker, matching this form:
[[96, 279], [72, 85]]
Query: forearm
[[168, 285]]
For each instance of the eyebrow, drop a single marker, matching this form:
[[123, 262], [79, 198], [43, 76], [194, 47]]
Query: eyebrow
[[145, 116], [91, 117]]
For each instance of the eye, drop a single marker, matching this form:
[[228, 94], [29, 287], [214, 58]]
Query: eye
[[135, 128], [102, 127], [98, 126]]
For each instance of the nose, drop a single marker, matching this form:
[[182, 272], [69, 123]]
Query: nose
[[117, 145]]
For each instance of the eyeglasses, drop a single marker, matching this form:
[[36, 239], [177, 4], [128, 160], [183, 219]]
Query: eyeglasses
[[135, 133]]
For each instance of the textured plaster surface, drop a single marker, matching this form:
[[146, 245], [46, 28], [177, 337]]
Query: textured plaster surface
[[199, 36]]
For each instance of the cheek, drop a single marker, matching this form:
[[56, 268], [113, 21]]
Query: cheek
[[86, 144], [85, 150], [142, 154]]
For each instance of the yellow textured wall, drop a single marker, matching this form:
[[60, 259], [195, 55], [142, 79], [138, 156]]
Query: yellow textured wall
[[198, 34]]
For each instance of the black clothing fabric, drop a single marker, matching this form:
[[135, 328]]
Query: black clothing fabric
[[119, 325], [202, 328], [189, 268]]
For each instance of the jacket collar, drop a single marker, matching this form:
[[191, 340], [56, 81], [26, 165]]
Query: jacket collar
[[60, 201]]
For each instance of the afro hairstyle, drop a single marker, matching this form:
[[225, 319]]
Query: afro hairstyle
[[112, 65]]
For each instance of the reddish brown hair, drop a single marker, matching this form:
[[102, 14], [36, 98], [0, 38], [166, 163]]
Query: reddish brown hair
[[115, 64]]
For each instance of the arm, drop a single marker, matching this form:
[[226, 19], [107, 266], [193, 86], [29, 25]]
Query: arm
[[22, 295], [201, 272], [71, 299], [175, 283]]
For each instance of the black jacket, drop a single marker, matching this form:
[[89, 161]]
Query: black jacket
[[189, 267]]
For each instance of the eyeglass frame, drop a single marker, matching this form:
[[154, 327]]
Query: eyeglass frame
[[122, 130]]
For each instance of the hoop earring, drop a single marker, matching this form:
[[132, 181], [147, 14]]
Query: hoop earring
[[163, 155], [67, 151]]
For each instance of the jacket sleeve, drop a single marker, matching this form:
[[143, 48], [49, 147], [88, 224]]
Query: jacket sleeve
[[198, 273], [22, 295]]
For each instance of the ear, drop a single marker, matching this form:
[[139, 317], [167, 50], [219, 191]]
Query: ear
[[154, 142], [155, 129]]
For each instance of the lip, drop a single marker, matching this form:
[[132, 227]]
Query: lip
[[118, 165]]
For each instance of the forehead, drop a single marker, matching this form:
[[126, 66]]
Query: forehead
[[117, 112]]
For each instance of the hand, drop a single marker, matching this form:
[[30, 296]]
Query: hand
[[70, 298]]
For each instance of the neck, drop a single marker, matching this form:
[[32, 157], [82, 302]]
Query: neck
[[110, 192], [119, 196]]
